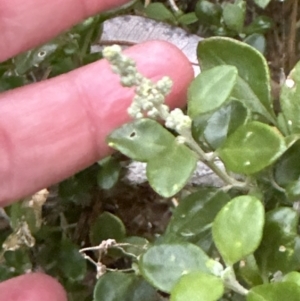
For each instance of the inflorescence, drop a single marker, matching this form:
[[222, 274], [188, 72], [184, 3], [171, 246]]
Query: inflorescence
[[149, 96]]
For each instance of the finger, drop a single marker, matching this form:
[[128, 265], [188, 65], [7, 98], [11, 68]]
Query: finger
[[25, 24], [32, 287], [52, 129]]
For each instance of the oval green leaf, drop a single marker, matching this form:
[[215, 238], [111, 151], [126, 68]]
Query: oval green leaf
[[234, 15], [210, 89], [252, 147], [141, 139], [253, 83], [106, 226], [170, 170], [238, 228], [116, 286], [197, 286], [164, 264], [275, 292]]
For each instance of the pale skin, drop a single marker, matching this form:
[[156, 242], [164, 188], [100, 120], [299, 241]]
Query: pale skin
[[52, 129]]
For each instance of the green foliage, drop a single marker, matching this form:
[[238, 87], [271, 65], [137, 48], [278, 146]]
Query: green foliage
[[232, 115], [163, 265], [116, 286], [146, 140], [237, 229], [198, 286], [237, 241], [210, 89]]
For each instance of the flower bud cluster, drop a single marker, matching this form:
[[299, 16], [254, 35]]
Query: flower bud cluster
[[149, 96], [122, 65], [178, 121]]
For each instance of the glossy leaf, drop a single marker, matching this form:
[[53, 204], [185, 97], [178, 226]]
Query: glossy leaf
[[106, 226], [252, 147], [253, 83], [278, 250], [194, 215], [210, 89], [275, 292], [197, 286], [290, 100], [238, 227], [164, 264], [287, 169], [292, 277], [260, 25], [224, 122], [170, 171], [258, 41], [141, 139], [116, 286]]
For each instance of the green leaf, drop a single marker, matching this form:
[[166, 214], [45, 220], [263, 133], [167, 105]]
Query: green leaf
[[234, 16], [252, 147], [258, 41], [253, 83], [164, 264], [292, 277], [238, 227], [160, 12], [250, 272], [170, 163], [116, 286], [260, 25], [170, 171], [287, 169], [194, 215], [188, 19], [32, 58], [210, 89], [262, 3], [275, 292], [197, 286], [109, 173], [11, 82], [136, 245], [208, 13], [70, 262], [141, 139], [277, 251], [224, 122], [106, 226], [290, 100]]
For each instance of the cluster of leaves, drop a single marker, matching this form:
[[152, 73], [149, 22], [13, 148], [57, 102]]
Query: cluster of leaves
[[233, 117], [218, 19], [237, 242]]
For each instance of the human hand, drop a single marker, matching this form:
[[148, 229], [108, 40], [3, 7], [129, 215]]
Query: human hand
[[52, 129]]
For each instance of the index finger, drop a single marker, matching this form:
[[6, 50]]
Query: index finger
[[25, 24]]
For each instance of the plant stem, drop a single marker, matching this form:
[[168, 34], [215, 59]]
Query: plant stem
[[230, 282], [209, 161]]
